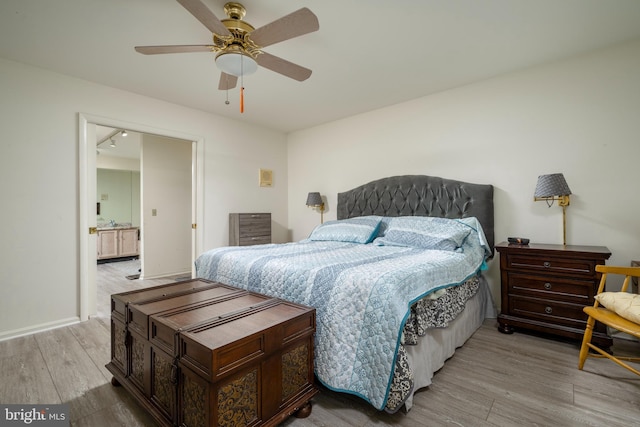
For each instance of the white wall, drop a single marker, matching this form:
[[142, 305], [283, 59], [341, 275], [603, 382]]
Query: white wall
[[118, 192], [580, 117], [39, 155]]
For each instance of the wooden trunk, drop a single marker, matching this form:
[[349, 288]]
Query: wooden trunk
[[200, 353], [121, 317]]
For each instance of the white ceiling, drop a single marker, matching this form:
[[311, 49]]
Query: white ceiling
[[366, 55], [124, 146]]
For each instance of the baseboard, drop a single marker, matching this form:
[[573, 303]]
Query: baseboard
[[621, 335], [15, 333], [164, 275]]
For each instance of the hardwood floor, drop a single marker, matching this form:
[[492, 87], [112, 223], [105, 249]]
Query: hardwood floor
[[494, 380], [111, 279]]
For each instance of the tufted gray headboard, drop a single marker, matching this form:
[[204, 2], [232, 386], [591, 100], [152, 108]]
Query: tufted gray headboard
[[420, 195]]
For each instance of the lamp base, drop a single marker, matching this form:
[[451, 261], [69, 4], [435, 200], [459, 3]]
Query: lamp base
[[564, 222], [563, 201]]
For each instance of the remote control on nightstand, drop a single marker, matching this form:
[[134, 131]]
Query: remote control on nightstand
[[518, 240]]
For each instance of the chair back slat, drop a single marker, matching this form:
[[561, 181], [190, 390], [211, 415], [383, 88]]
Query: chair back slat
[[610, 318]]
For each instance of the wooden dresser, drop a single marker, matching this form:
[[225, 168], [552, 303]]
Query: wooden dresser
[[544, 288], [247, 229], [200, 353]]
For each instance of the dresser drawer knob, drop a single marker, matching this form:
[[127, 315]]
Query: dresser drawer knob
[[547, 286], [547, 264], [548, 310]]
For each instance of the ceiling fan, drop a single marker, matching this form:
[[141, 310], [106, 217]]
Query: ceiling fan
[[239, 45]]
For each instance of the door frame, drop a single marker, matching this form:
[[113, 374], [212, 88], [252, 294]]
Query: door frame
[[87, 198]]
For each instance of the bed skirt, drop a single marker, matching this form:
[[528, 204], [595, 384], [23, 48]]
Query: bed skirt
[[439, 344]]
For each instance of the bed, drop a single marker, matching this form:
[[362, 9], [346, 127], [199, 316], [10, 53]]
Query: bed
[[396, 281]]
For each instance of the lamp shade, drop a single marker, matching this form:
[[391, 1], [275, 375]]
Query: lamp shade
[[314, 199], [551, 185]]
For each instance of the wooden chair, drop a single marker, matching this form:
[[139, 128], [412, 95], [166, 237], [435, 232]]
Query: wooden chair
[[609, 318]]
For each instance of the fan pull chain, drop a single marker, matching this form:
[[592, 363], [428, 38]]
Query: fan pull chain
[[226, 83], [242, 84]]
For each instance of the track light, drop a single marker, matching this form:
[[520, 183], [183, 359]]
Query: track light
[[110, 137]]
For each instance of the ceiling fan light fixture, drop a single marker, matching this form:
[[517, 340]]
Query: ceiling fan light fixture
[[238, 44], [236, 63]]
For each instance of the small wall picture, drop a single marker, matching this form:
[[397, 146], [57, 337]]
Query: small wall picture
[[266, 178]]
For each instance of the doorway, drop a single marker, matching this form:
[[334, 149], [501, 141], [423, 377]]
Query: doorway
[[88, 219], [118, 201]]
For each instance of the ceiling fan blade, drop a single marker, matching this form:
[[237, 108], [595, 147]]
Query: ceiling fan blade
[[227, 81], [298, 23], [203, 14], [283, 67], [155, 50]]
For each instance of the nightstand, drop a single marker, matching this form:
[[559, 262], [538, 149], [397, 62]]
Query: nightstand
[[544, 288]]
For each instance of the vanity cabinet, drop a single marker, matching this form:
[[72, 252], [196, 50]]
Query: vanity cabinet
[[116, 243], [128, 242], [107, 244]]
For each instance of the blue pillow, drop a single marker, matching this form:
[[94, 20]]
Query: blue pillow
[[361, 229], [424, 232]]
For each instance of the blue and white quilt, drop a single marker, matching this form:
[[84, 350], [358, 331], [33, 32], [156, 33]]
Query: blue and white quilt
[[362, 292]]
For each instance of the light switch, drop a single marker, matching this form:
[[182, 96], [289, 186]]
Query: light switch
[[154, 212]]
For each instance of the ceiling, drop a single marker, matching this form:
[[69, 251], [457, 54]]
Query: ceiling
[[112, 143], [366, 55]]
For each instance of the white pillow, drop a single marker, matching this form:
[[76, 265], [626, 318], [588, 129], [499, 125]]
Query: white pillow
[[622, 303]]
